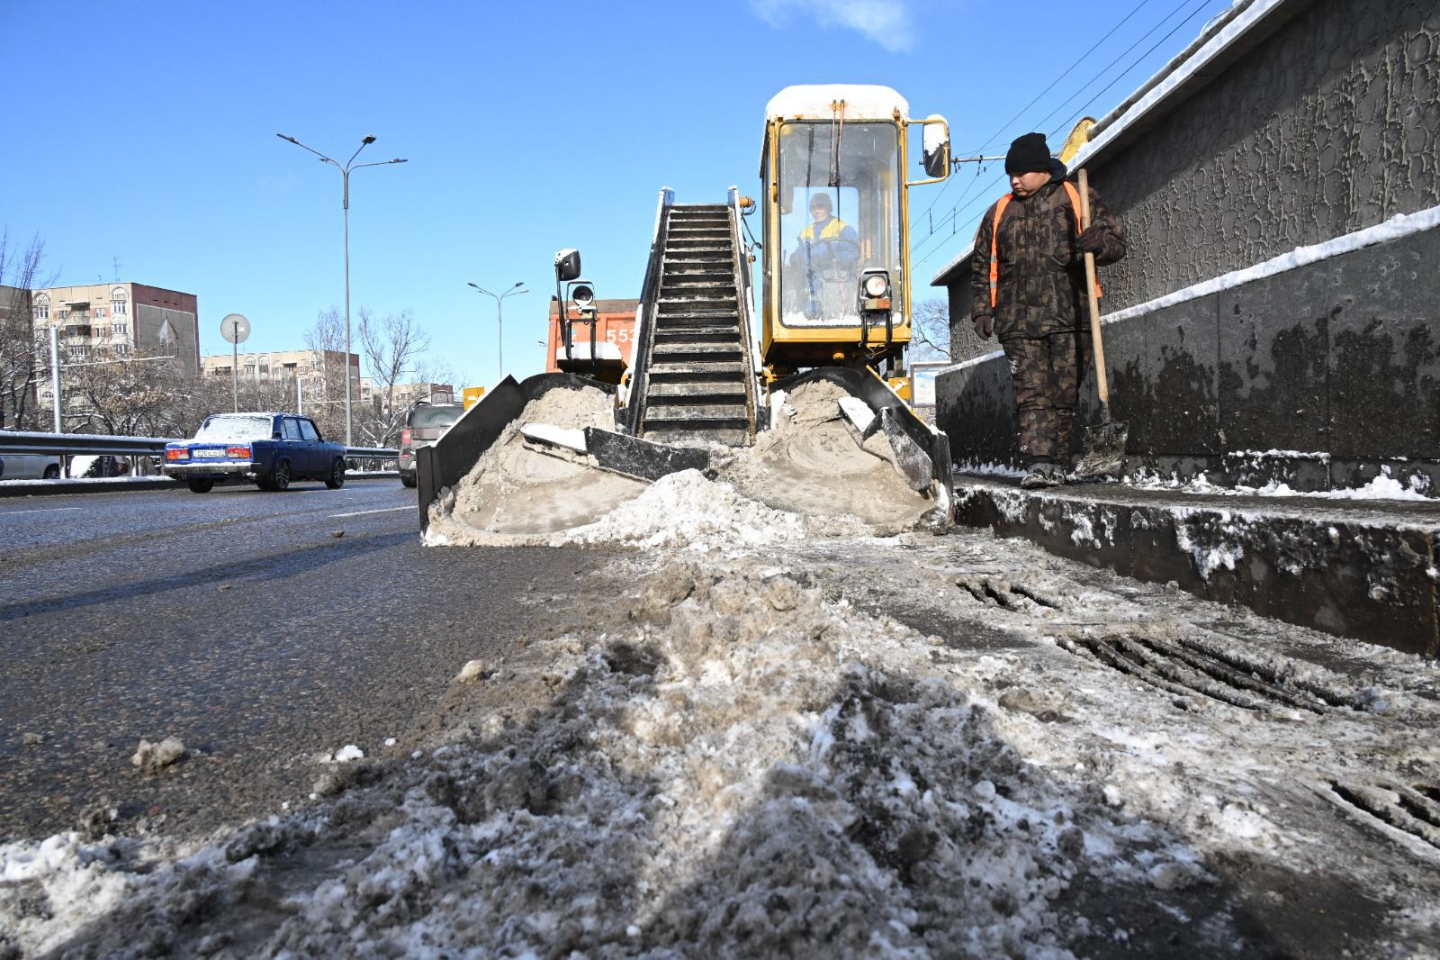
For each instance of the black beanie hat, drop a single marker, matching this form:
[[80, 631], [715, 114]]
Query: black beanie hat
[[1028, 154]]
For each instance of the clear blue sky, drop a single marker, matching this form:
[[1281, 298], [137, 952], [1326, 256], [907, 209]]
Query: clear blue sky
[[145, 132]]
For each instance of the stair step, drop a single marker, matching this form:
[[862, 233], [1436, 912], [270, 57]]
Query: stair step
[[730, 414], [691, 284], [697, 305], [696, 351], [733, 436], [702, 335], [673, 370], [696, 392]]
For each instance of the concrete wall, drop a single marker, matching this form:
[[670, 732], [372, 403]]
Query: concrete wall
[[1326, 127]]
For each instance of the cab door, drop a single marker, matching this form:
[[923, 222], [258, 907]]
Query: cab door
[[302, 455], [319, 453]]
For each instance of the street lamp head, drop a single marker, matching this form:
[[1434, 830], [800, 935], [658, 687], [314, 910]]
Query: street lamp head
[[520, 283], [284, 137], [367, 140], [475, 285], [399, 161]]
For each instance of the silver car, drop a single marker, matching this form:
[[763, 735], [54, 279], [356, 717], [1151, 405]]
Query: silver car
[[29, 466], [422, 428]]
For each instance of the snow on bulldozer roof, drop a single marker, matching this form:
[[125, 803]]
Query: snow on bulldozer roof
[[863, 101]]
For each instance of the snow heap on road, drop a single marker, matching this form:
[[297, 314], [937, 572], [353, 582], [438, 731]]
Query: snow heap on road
[[811, 474]]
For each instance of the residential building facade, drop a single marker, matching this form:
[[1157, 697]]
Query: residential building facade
[[121, 320]]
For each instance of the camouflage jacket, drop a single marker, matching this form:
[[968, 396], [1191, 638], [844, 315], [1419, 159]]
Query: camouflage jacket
[[1042, 269]]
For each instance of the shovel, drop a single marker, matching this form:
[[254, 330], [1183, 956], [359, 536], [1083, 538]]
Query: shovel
[[1104, 443]]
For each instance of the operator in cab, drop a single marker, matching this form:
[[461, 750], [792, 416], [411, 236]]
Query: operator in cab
[[828, 252]]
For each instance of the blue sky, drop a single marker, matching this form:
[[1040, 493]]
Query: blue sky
[[145, 132]]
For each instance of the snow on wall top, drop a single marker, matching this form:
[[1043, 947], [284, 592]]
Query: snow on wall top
[[813, 101]]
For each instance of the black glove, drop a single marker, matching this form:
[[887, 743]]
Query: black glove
[[984, 325], [1092, 239]]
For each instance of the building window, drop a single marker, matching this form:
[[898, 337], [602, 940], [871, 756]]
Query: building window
[[63, 315], [250, 370], [117, 307], [42, 311], [99, 312], [121, 329], [122, 349]]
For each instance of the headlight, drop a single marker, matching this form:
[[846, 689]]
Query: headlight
[[876, 285]]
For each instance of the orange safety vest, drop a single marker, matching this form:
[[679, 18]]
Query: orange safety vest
[[995, 234]]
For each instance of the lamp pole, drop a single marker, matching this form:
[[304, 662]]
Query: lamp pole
[[500, 320], [345, 169]]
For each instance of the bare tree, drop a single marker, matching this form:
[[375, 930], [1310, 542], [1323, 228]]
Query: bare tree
[[124, 395], [392, 347], [930, 330], [326, 339], [21, 366]]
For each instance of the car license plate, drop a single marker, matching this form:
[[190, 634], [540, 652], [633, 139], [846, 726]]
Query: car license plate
[[208, 453]]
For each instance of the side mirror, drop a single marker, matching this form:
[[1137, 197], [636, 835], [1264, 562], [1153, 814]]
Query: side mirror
[[567, 265], [937, 146]]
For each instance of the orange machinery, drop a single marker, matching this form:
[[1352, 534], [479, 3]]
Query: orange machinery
[[614, 328]]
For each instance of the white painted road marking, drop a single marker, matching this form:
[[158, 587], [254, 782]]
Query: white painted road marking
[[43, 510], [361, 513]]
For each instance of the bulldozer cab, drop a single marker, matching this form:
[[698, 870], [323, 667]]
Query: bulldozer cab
[[836, 225]]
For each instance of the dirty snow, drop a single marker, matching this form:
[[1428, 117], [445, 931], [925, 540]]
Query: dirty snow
[[1384, 486], [863, 747]]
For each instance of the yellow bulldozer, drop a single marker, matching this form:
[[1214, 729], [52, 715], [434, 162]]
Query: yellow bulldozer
[[834, 305]]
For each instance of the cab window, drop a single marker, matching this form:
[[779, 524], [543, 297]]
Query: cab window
[[839, 193], [292, 429], [308, 431]]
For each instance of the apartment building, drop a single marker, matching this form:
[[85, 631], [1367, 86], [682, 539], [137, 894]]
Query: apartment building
[[313, 368], [121, 320]]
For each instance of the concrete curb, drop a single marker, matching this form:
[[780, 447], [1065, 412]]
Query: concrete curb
[[1369, 570], [50, 488]]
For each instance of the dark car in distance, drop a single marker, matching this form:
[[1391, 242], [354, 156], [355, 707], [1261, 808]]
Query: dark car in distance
[[423, 427], [270, 449]]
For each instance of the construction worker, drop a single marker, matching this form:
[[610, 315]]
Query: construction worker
[[1028, 289], [829, 249]]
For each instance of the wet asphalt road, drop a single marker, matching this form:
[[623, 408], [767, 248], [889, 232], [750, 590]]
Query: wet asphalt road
[[240, 623]]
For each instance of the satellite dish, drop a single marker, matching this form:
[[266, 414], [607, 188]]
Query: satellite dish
[[235, 328]]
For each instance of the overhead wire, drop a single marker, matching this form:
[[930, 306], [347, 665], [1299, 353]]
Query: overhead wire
[[957, 208], [1021, 112]]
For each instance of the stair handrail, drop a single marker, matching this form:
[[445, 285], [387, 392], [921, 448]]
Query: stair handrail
[[744, 291], [645, 317]]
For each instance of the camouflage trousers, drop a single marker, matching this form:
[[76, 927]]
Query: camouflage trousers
[[1046, 372]]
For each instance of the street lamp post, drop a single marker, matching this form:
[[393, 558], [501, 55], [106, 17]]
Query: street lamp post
[[500, 320], [345, 201]]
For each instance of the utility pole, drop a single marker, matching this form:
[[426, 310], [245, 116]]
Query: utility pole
[[345, 203]]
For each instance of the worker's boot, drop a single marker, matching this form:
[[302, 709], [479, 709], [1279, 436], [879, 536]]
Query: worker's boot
[[1043, 473]]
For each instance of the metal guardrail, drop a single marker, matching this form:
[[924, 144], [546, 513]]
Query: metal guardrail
[[89, 444]]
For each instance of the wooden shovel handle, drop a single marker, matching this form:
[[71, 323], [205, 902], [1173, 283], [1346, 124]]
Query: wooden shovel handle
[[1102, 386]]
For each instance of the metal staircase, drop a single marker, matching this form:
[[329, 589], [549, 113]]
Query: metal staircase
[[698, 382]]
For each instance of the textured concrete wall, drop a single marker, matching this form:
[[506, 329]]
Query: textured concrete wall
[[1328, 126], [1338, 361]]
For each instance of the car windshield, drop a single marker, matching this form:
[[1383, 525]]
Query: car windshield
[[435, 416], [235, 428]]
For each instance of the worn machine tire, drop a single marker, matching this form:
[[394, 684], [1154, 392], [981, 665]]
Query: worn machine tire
[[52, 472], [201, 486], [336, 480], [408, 479]]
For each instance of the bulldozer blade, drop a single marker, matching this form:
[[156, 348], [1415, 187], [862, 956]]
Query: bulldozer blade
[[641, 459], [912, 460], [1104, 450]]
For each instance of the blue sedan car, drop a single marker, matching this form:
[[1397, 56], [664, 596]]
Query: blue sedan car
[[270, 449]]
